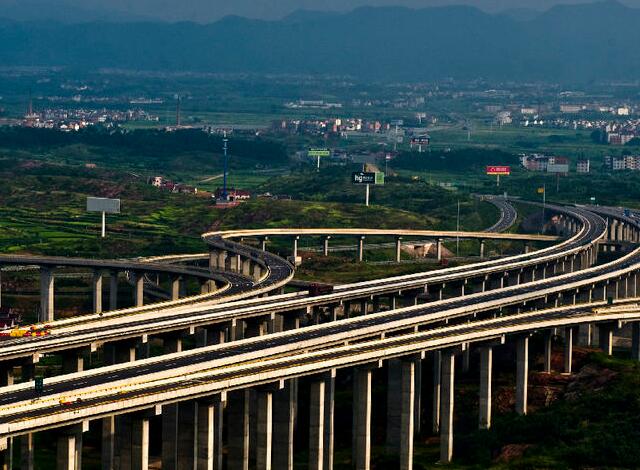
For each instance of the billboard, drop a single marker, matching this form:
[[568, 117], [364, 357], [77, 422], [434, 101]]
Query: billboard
[[365, 177], [102, 204], [421, 140], [314, 152], [498, 170], [558, 168]]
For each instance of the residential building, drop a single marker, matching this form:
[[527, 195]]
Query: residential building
[[584, 166]]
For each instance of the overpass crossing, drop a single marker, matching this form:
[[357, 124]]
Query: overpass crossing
[[269, 364]]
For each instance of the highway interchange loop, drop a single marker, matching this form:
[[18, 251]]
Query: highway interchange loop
[[516, 296]]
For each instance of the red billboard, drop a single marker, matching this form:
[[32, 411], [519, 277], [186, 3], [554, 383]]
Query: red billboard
[[498, 170]]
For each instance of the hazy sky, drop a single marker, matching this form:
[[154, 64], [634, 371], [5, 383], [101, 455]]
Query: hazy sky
[[210, 10]]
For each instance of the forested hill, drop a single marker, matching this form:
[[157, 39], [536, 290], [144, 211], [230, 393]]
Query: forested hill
[[567, 43]]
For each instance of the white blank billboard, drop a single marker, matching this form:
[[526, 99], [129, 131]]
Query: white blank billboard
[[103, 204]]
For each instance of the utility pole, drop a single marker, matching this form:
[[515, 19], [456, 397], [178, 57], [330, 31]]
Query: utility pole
[[458, 232], [224, 177], [544, 205]]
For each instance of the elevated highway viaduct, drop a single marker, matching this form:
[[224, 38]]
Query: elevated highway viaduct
[[527, 293]]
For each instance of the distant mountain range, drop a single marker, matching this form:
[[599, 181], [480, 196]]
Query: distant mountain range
[[575, 43]]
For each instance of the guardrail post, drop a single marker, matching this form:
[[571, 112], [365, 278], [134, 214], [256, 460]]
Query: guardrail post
[[97, 291], [486, 372], [46, 294], [522, 374], [447, 404]]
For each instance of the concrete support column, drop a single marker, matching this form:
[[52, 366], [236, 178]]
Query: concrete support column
[[361, 249], [316, 425], [246, 267], [568, 349], [113, 290], [522, 374], [407, 413], [435, 412], [96, 283], [263, 243], [222, 260], [446, 410], [140, 443], [325, 245], [486, 372], [481, 249], [138, 288], [585, 332], [46, 295], [284, 419], [27, 451], [66, 453], [213, 259], [264, 436], [6, 374], [72, 361], [439, 249], [398, 249], [635, 341], [394, 406], [548, 343], [171, 422], [605, 331], [362, 419], [175, 287], [238, 430]]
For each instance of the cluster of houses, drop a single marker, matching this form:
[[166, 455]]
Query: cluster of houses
[[168, 185]]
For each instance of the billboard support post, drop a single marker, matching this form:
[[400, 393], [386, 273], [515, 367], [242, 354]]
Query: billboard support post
[[367, 179], [104, 206]]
